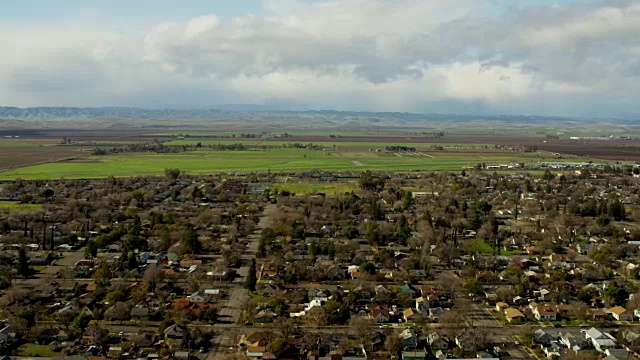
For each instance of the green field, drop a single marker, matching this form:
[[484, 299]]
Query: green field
[[22, 143], [325, 144], [316, 188], [14, 206], [261, 160]]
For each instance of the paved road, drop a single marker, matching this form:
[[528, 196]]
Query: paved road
[[481, 317], [229, 314]]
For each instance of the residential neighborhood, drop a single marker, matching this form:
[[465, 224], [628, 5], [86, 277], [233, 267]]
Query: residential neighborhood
[[485, 265]]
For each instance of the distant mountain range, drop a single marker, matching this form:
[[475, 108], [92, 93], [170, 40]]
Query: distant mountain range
[[257, 112]]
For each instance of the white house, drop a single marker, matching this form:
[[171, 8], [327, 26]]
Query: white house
[[198, 296], [621, 314], [544, 313], [600, 341]]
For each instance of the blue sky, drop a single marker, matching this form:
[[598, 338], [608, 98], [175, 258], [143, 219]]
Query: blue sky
[[46, 11], [34, 11], [547, 57]]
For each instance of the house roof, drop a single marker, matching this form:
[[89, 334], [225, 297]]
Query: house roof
[[513, 313], [256, 349], [545, 310], [618, 310], [408, 313]]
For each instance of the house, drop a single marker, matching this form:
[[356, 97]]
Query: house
[[408, 315], [518, 300], [491, 298], [431, 293], [632, 338], [407, 289], [514, 315], [62, 336], [270, 272], [144, 339], [564, 309], [553, 350], [543, 337], [258, 338], [139, 312], [617, 354], [114, 352], [336, 272], [269, 290], [584, 249], [64, 247], [318, 293], [422, 304], [621, 314], [175, 334], [542, 295], [600, 341], [409, 339], [264, 317], [500, 306], [434, 313], [544, 313], [437, 341], [465, 341], [377, 340], [7, 336], [380, 315], [91, 287], [599, 315], [256, 351], [198, 297], [573, 341]]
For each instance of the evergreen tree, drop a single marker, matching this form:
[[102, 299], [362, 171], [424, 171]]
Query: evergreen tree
[[190, 239], [617, 210], [402, 230], [134, 239], [252, 278], [373, 233], [23, 262], [91, 249], [132, 261]]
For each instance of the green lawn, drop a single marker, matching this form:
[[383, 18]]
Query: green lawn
[[262, 160], [315, 188], [10, 206], [35, 350]]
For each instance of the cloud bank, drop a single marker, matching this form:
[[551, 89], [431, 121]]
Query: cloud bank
[[378, 55]]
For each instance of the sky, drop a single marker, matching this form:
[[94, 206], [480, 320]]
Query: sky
[[532, 57]]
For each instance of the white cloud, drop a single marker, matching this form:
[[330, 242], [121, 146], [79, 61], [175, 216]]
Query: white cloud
[[344, 54], [601, 24]]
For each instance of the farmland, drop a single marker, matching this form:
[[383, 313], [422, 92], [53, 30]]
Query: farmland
[[64, 153], [261, 160]]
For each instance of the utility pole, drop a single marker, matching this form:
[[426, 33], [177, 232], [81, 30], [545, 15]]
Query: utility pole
[[53, 227]]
